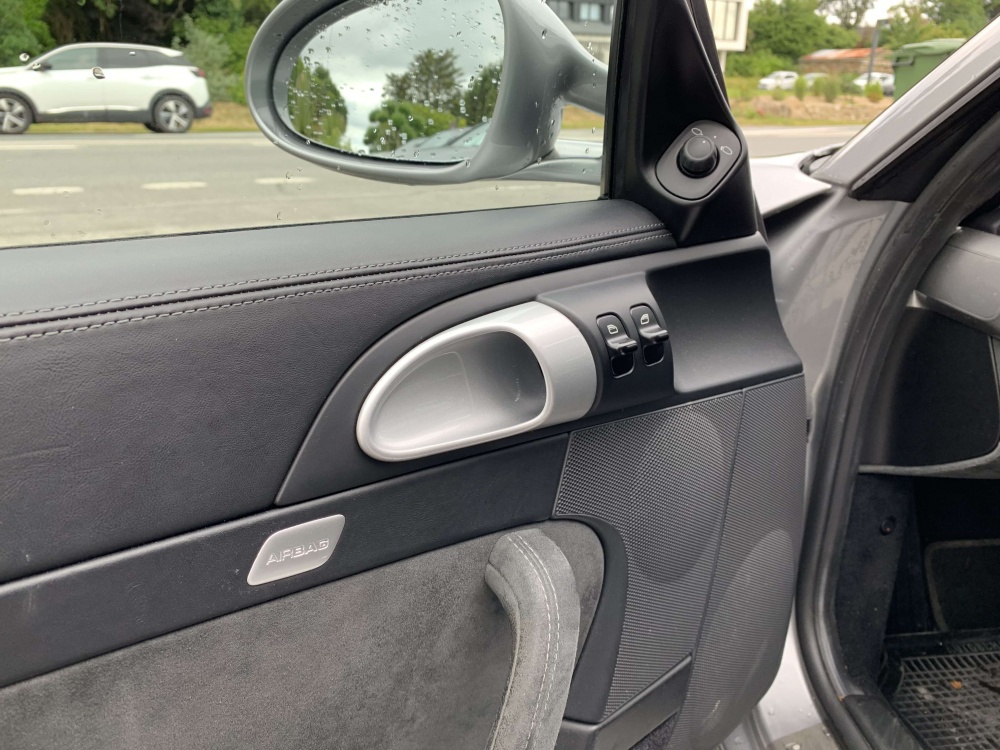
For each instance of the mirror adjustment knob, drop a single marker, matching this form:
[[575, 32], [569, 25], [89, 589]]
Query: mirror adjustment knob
[[698, 156]]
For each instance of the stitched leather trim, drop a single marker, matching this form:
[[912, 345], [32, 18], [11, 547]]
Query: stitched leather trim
[[350, 271], [274, 298]]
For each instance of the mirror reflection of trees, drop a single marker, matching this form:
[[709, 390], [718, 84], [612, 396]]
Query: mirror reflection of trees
[[315, 106], [428, 98]]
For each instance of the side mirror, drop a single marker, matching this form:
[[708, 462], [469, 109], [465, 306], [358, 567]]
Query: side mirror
[[429, 92], [42, 66]]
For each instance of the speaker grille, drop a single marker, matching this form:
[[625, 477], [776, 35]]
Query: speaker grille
[[661, 480], [751, 600]]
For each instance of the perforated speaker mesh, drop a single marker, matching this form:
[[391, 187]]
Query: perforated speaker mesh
[[747, 616], [661, 480]]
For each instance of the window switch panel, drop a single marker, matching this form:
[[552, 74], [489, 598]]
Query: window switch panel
[[621, 346]]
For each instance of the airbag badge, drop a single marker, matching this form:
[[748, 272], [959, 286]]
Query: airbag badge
[[296, 549]]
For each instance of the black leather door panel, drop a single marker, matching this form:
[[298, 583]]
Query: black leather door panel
[[153, 436], [132, 425]]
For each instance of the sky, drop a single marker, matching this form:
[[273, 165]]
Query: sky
[[382, 36]]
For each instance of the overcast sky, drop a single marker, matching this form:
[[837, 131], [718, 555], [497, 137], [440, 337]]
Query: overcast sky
[[383, 37]]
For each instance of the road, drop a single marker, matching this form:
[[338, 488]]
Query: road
[[83, 187]]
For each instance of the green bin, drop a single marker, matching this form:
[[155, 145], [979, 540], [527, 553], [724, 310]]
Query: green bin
[[911, 62]]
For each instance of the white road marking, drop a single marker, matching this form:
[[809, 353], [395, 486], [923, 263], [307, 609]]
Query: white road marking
[[174, 185], [282, 180], [37, 146], [48, 190], [12, 211]]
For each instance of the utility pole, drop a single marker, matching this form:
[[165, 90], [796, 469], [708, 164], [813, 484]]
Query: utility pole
[[871, 57]]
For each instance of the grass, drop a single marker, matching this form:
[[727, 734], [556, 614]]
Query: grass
[[575, 118], [227, 117]]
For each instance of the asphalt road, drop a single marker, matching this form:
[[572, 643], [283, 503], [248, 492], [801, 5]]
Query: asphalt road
[[83, 187]]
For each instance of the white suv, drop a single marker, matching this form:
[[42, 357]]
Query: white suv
[[156, 86]]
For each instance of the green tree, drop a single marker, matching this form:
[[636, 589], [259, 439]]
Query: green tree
[[210, 53], [965, 16], [849, 13], [23, 30], [481, 94], [316, 107], [395, 124], [908, 24], [756, 64], [793, 28], [431, 80]]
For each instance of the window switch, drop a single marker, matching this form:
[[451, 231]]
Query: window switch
[[651, 333], [621, 346]]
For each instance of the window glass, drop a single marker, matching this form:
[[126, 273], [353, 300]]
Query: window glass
[[114, 57], [110, 156], [844, 64], [73, 59], [563, 8], [590, 11]]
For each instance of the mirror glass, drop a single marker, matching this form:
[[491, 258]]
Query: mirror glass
[[411, 80]]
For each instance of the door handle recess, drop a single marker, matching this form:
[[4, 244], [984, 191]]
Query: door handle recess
[[508, 372], [535, 584]]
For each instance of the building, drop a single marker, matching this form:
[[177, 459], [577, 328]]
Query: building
[[590, 22], [839, 61]]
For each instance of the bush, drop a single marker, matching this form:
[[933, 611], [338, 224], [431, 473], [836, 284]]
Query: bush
[[828, 88], [756, 64], [209, 52], [741, 89], [847, 84], [800, 88], [779, 95], [873, 91]]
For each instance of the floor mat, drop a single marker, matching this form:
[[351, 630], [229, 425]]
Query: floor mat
[[947, 687]]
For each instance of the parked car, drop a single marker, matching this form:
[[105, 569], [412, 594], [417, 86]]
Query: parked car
[[779, 79], [156, 86], [887, 81]]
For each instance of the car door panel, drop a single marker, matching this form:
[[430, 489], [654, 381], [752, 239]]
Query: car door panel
[[194, 404], [209, 405], [410, 655]]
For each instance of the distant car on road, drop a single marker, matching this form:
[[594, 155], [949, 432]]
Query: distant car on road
[[886, 80], [105, 82], [779, 79]]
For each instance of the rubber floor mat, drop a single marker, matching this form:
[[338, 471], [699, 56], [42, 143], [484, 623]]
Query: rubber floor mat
[[947, 688]]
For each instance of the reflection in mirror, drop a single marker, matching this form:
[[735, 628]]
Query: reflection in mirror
[[413, 80]]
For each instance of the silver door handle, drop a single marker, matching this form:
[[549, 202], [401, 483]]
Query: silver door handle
[[505, 373]]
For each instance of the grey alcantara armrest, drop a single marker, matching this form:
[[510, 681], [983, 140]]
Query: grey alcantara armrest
[[533, 580]]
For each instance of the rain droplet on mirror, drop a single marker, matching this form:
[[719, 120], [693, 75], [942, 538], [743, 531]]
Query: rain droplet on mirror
[[24, 57]]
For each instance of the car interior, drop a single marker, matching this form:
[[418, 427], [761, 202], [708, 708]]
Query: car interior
[[504, 478], [917, 601]]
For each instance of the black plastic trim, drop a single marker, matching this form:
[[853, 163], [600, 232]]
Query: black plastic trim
[[633, 721], [668, 80], [595, 667], [717, 301]]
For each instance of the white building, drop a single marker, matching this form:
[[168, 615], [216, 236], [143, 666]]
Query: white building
[[590, 22]]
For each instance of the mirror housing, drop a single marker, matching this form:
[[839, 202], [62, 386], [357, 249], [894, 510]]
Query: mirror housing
[[42, 66], [544, 68]]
